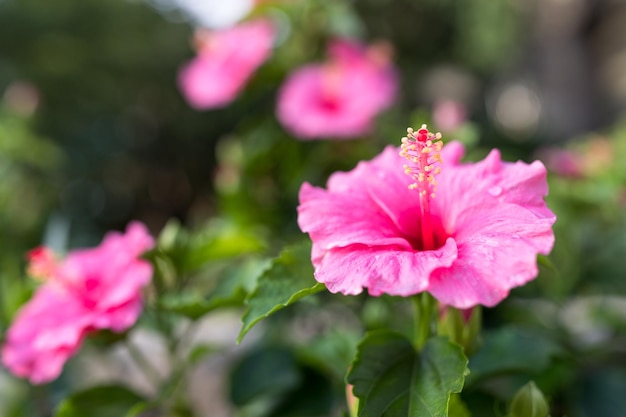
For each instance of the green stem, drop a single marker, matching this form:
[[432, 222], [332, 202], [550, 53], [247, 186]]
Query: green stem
[[425, 308], [149, 371]]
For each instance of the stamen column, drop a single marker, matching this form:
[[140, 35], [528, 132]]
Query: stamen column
[[422, 149]]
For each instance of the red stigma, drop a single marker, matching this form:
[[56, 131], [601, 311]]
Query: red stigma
[[422, 135]]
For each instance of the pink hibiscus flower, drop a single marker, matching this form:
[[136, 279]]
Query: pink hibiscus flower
[[226, 60], [341, 97], [377, 228], [91, 289]]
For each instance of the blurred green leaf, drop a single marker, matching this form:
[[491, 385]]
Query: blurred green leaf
[[332, 352], [223, 246], [20, 144], [103, 401], [391, 378], [456, 407], [200, 352], [231, 290], [312, 398], [288, 279], [544, 261], [217, 241], [511, 350], [599, 392], [224, 243], [268, 371]]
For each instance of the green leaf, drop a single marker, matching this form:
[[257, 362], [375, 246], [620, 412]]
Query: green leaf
[[288, 279], [599, 392], [199, 352], [103, 401], [269, 371], [231, 290], [218, 242], [544, 261], [511, 350], [312, 398], [392, 379], [457, 408], [332, 352]]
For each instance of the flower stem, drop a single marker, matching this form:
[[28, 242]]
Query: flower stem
[[149, 371], [424, 307]]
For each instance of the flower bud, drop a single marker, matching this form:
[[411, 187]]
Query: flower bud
[[461, 326], [529, 402]]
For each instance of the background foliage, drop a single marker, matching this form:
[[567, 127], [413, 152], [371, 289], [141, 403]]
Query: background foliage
[[94, 133]]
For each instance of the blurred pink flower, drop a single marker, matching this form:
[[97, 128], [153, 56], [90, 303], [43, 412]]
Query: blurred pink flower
[[226, 60], [341, 97], [377, 228], [91, 289], [563, 162], [449, 114]]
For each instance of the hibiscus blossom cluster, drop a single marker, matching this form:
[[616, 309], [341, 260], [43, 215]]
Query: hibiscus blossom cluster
[[90, 290], [339, 98], [468, 243]]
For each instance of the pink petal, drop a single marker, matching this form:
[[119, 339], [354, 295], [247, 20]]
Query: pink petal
[[220, 71], [47, 331], [478, 186], [497, 251], [382, 269], [337, 219]]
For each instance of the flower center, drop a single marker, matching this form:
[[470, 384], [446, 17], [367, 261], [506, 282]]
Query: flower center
[[423, 151]]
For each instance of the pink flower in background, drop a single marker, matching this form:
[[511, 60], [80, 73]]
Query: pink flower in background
[[449, 114], [341, 97], [91, 289], [377, 228], [226, 60], [563, 162]]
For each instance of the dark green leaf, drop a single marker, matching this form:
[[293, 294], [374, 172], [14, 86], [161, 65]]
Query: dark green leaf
[[600, 392], [331, 352], [391, 378], [269, 371], [511, 350], [313, 397], [104, 401], [288, 279]]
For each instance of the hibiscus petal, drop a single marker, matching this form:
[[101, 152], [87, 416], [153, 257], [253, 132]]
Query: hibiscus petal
[[384, 181], [337, 219], [488, 183], [47, 331], [497, 251], [388, 270]]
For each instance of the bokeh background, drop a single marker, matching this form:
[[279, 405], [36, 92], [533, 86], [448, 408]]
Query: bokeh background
[[94, 132]]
